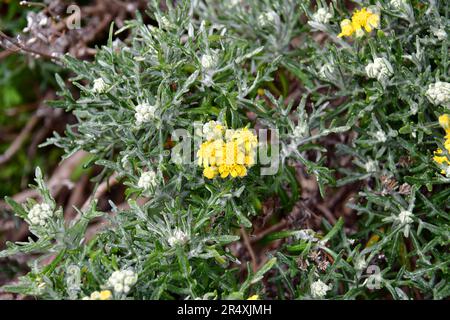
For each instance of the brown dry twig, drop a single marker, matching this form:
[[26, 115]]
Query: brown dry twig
[[17, 46], [100, 191], [59, 179], [276, 227], [328, 214], [17, 143], [250, 250]]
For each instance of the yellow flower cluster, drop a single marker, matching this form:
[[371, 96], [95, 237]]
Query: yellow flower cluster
[[439, 156], [227, 152], [102, 295], [361, 19]]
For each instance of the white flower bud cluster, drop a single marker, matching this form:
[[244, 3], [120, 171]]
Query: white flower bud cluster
[[439, 33], [147, 180], [322, 16], [405, 217], [301, 130], [178, 238], [212, 130], [371, 166], [39, 214], [306, 234], [439, 93], [267, 18], [360, 263], [209, 61], [319, 289], [380, 136], [122, 281], [379, 69], [144, 113], [99, 86], [36, 20]]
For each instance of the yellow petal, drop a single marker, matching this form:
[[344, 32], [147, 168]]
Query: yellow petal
[[444, 121], [243, 172], [373, 21], [105, 295], [346, 28], [210, 172]]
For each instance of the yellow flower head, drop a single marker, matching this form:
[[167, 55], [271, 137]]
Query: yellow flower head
[[361, 19], [347, 28], [102, 295], [440, 158], [444, 121], [210, 172], [365, 19], [254, 297], [229, 154], [105, 295], [233, 170]]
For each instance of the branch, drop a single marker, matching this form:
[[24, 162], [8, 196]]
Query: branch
[[25, 48], [248, 245], [17, 143]]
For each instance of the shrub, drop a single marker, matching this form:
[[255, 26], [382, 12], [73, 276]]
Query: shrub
[[203, 68]]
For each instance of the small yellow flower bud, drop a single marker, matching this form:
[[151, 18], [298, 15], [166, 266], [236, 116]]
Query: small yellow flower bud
[[105, 295], [361, 20], [210, 172], [346, 28], [444, 121]]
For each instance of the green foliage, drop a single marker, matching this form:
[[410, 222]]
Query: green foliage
[[208, 62], [164, 67], [396, 132]]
